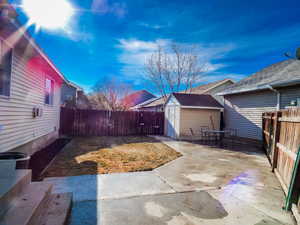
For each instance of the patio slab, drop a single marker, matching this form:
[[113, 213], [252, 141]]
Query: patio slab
[[192, 208], [203, 167], [205, 186], [117, 185]]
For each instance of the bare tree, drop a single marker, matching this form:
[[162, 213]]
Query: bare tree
[[174, 68], [109, 95]]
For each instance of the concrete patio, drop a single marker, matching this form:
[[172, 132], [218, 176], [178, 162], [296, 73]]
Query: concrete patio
[[205, 186]]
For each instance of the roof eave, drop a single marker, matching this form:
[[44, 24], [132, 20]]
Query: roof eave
[[285, 83], [264, 87], [39, 50], [217, 85]]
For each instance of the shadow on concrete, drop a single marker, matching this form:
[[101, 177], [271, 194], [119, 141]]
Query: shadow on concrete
[[179, 208]]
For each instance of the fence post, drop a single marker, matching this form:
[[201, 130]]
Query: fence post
[[263, 131], [276, 135]]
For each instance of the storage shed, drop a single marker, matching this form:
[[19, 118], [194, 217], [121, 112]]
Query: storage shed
[[184, 112]]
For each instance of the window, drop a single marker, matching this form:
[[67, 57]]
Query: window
[[5, 68], [49, 89]]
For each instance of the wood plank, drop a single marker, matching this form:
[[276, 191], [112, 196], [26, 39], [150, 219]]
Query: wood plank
[[290, 119], [283, 185], [288, 152]]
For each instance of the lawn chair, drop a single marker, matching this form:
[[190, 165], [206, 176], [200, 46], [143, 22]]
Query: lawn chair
[[204, 136]]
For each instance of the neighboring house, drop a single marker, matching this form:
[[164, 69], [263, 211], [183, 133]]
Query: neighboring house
[[211, 88], [184, 112], [272, 88], [73, 95], [69, 92], [137, 98], [154, 105], [30, 90]]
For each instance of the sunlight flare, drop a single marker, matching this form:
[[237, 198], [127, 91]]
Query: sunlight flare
[[48, 14]]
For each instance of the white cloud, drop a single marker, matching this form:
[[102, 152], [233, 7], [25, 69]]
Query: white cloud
[[153, 26], [140, 46], [119, 9], [135, 52]]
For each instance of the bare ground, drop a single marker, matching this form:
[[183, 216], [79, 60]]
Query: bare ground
[[101, 155]]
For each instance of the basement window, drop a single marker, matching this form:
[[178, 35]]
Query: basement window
[[49, 89], [5, 68]]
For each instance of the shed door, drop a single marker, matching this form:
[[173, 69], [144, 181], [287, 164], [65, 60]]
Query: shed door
[[171, 129]]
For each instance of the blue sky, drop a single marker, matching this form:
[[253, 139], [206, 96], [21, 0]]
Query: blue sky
[[108, 38]]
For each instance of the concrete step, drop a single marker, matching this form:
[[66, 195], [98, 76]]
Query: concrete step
[[58, 210], [25, 210], [11, 186]]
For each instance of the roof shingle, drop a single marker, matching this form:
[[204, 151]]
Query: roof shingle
[[278, 72], [197, 100]]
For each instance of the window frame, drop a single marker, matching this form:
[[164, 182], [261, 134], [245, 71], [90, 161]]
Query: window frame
[[51, 103], [11, 67]]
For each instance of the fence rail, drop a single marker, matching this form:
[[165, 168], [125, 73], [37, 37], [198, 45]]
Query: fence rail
[[281, 136], [77, 122]]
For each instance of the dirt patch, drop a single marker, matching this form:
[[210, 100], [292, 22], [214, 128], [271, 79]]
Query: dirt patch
[[100, 155]]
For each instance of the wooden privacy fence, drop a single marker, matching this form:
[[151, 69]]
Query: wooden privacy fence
[[78, 122], [281, 136]]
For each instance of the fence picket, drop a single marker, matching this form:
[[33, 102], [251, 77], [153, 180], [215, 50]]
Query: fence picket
[[77, 122]]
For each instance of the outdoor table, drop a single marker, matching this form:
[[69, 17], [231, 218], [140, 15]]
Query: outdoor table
[[216, 133]]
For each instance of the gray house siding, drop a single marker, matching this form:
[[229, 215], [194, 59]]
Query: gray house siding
[[288, 94], [243, 112]]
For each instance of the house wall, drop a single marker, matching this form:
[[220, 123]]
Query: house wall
[[218, 89], [18, 127], [244, 111], [195, 118], [288, 94]]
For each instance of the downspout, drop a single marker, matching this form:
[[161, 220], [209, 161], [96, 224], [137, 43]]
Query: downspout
[[278, 96]]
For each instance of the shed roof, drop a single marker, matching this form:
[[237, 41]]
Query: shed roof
[[197, 100], [201, 89], [285, 72]]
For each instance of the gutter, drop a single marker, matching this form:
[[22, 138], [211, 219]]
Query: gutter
[[278, 95], [264, 87], [286, 83], [270, 86]]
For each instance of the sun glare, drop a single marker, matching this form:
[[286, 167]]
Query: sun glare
[[49, 14]]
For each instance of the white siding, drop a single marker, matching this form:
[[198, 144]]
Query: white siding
[[244, 111], [27, 92]]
